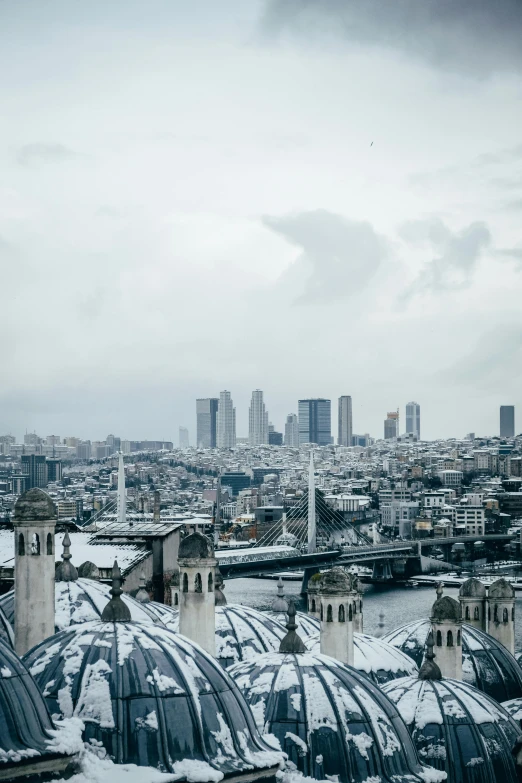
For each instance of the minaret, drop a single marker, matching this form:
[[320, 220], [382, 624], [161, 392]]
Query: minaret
[[336, 600], [122, 498], [116, 611], [197, 620], [312, 532], [280, 604], [292, 642], [34, 523], [65, 571], [501, 613], [446, 623], [472, 597]]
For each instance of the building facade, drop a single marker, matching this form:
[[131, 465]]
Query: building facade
[[345, 431], [507, 421], [315, 421], [391, 425], [206, 415], [292, 431], [226, 422], [183, 438], [413, 419], [257, 420], [34, 466]]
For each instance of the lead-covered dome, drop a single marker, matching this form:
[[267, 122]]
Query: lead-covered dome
[[242, 633], [329, 719], [83, 601], [6, 630], [457, 729], [308, 626], [151, 697], [486, 663], [28, 737], [514, 708], [373, 657]]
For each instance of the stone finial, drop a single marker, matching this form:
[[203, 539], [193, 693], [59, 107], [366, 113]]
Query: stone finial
[[65, 571], [280, 604], [116, 611], [429, 669], [380, 626], [219, 586], [292, 642], [142, 595], [439, 588]]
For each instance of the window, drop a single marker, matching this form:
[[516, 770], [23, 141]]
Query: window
[[505, 616], [350, 613], [495, 614], [321, 611], [21, 544], [49, 544], [176, 599], [210, 583], [312, 608], [476, 613], [450, 639], [185, 583], [341, 614], [198, 586], [439, 639], [35, 544], [459, 639], [467, 612], [329, 614], [513, 614]]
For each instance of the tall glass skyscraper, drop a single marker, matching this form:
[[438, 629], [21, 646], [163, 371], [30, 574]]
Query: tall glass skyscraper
[[257, 420], [315, 421], [206, 414], [507, 421], [413, 418], [226, 422], [344, 437]]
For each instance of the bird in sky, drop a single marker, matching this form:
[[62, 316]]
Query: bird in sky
[[371, 145]]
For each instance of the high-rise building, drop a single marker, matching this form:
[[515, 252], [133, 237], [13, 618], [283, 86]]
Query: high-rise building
[[183, 438], [315, 421], [226, 422], [275, 438], [54, 470], [413, 418], [391, 425], [206, 414], [292, 431], [344, 437], [34, 466], [507, 421], [257, 420]]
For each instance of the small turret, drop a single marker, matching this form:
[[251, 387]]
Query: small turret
[[446, 622], [142, 595], [336, 597], [472, 597], [429, 669], [197, 565], [65, 571], [501, 613], [280, 604], [292, 642]]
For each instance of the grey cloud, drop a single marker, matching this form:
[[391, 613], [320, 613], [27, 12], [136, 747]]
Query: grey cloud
[[31, 154], [511, 252], [497, 353], [339, 256], [456, 254], [481, 165], [476, 36]]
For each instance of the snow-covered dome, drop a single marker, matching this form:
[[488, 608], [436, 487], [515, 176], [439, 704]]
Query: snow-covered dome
[[242, 633], [457, 728], [329, 719], [28, 736], [81, 601], [486, 663], [514, 708], [308, 626], [150, 696], [373, 657], [6, 630]]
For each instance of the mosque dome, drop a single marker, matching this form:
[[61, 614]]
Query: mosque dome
[[457, 729], [329, 719], [486, 663], [151, 697], [374, 657], [28, 736], [242, 633], [6, 630], [514, 708], [308, 626]]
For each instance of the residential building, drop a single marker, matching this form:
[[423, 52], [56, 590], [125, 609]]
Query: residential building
[[345, 432], [391, 425], [473, 517], [413, 419], [237, 481], [34, 466], [257, 420], [206, 413], [183, 438], [451, 478], [291, 431], [226, 422], [315, 421], [507, 421]]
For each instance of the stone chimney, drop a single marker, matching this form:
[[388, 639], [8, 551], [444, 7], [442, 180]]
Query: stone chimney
[[501, 613], [472, 597], [446, 623], [336, 597], [34, 523], [197, 566]]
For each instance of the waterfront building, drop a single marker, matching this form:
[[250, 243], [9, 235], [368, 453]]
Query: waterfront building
[[206, 415], [413, 419], [257, 420], [226, 422], [507, 421], [345, 433], [315, 421]]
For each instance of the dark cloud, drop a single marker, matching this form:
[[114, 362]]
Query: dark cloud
[[456, 254], [339, 255], [34, 154], [477, 36]]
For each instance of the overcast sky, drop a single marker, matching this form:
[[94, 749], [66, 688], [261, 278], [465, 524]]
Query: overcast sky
[[311, 197]]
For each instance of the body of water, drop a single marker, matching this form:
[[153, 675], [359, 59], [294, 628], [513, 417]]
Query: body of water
[[400, 605]]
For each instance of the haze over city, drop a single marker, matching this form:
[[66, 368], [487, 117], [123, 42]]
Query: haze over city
[[198, 197]]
